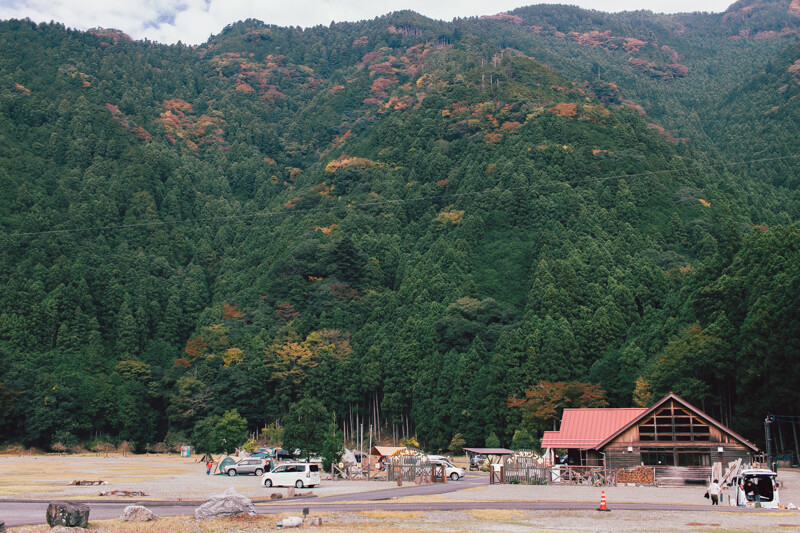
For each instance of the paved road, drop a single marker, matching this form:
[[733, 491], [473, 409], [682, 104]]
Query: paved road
[[17, 513]]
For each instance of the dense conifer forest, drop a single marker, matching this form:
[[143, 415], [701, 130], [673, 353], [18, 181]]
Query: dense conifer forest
[[417, 224]]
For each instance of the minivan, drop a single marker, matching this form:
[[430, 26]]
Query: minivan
[[292, 475], [755, 487]]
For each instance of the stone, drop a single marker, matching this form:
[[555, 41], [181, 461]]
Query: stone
[[313, 521], [2, 527], [275, 496], [290, 492], [137, 513], [67, 514], [228, 503]]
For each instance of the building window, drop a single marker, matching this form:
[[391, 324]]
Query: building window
[[674, 424], [693, 458], [658, 458]]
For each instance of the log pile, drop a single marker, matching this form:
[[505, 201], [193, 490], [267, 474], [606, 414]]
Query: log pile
[[642, 475]]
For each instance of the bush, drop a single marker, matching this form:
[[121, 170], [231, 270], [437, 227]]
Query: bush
[[457, 443]]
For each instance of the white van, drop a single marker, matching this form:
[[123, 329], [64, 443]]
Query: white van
[[292, 475], [753, 487]]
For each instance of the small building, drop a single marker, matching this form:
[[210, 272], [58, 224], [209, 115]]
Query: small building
[[676, 438]]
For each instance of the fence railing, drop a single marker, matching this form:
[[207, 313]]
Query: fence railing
[[555, 475]]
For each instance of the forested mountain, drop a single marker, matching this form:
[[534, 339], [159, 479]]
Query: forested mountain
[[411, 221]]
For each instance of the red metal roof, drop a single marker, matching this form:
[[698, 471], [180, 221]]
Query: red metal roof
[[586, 428]]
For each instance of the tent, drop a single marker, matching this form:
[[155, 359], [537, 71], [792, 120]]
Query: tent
[[385, 451], [225, 460]]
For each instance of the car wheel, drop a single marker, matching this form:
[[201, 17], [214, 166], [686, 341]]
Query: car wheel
[[454, 476], [267, 482], [232, 472], [258, 472], [298, 484]]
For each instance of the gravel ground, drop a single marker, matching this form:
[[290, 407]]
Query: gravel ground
[[160, 477], [172, 477]]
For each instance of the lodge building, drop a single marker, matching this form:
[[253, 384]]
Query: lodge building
[[679, 440]]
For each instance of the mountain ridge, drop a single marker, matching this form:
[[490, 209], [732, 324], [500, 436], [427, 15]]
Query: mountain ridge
[[409, 220]]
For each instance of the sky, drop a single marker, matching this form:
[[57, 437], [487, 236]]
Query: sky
[[193, 21]]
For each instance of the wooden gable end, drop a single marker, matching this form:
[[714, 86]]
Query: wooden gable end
[[674, 423]]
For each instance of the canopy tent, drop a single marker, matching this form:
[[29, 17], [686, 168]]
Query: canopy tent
[[494, 455], [386, 451]]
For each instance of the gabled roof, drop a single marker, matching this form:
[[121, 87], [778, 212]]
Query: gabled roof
[[586, 428], [700, 414], [385, 451]]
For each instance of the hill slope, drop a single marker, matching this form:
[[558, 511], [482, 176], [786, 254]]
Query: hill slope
[[409, 220]]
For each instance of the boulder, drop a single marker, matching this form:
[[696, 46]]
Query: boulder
[[228, 503], [137, 513], [67, 514]]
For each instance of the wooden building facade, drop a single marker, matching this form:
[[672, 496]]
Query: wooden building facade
[[680, 441]]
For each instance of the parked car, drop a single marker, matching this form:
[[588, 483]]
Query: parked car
[[292, 475], [453, 472], [477, 460], [755, 486], [250, 465]]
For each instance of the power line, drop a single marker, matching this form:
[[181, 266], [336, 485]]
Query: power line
[[391, 202]]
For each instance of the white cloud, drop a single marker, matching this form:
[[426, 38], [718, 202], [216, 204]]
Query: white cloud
[[192, 21]]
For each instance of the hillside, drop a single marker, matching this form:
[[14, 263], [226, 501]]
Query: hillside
[[408, 220]]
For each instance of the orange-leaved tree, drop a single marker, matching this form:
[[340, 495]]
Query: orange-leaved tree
[[544, 403]]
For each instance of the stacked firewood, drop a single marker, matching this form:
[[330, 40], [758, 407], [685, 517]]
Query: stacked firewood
[[642, 475]]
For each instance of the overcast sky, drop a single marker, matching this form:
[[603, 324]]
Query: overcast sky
[[193, 21]]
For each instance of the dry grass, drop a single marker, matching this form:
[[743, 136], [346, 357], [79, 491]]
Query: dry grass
[[52, 473], [243, 524], [499, 515]]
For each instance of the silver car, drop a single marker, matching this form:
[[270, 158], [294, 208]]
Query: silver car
[[251, 465]]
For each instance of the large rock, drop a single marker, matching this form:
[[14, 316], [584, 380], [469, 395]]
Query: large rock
[[228, 503], [137, 513], [67, 514]]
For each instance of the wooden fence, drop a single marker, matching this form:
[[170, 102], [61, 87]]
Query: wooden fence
[[559, 475]]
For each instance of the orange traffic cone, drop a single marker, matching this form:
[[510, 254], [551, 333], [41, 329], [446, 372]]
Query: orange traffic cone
[[603, 502]]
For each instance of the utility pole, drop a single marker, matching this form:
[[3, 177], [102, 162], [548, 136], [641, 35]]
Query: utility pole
[[767, 421]]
